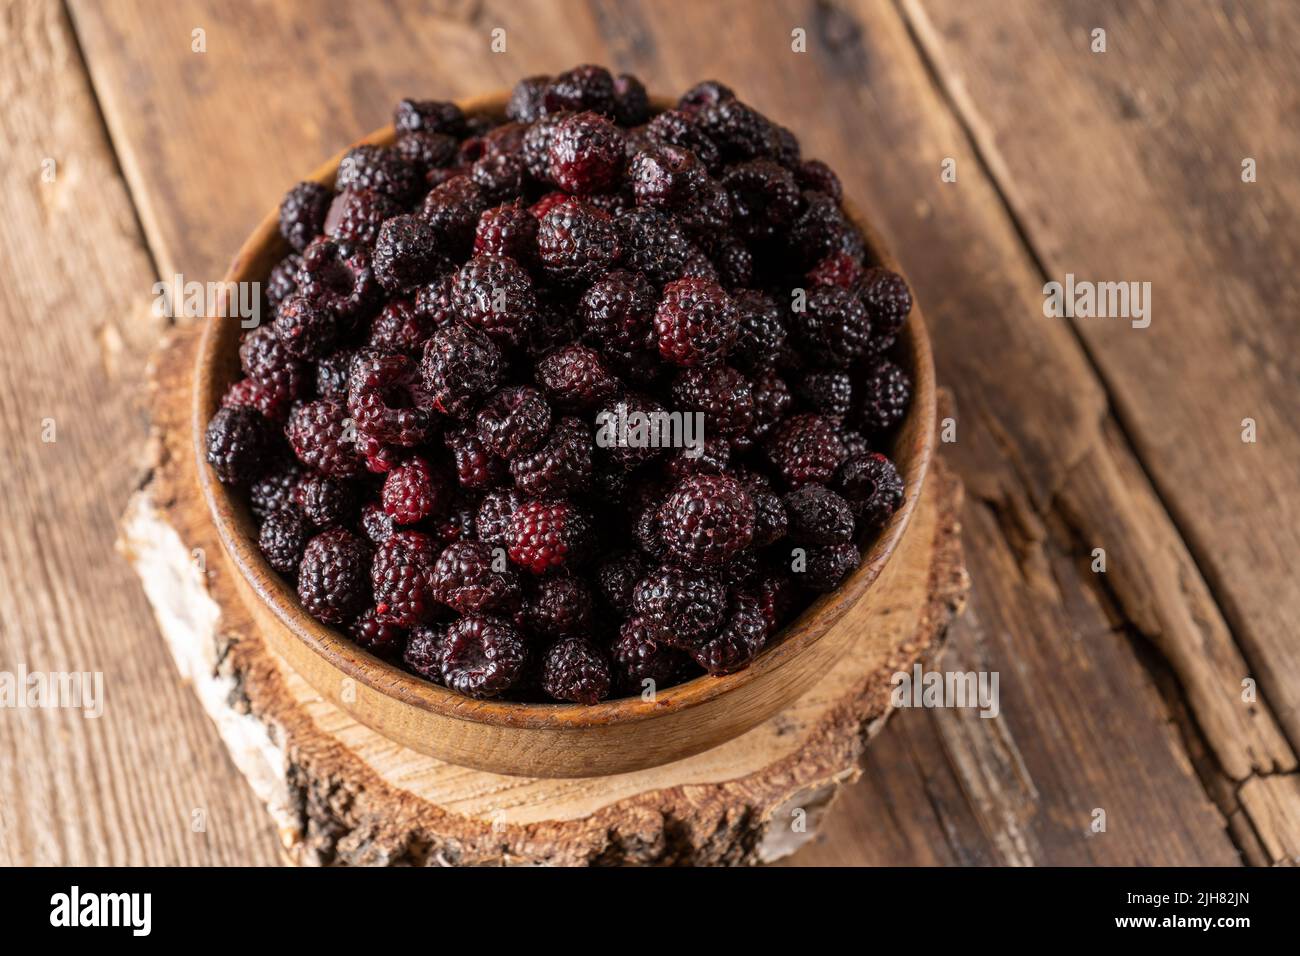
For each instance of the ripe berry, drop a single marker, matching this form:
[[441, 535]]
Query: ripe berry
[[379, 168], [631, 102], [640, 654], [696, 322], [687, 607], [282, 539], [424, 651], [762, 330], [886, 394], [306, 329], [723, 396], [548, 534], [815, 175], [559, 606], [413, 491], [356, 215], [275, 489], [828, 566], [828, 393], [585, 154], [400, 327], [562, 464], [764, 198], [806, 448], [453, 209], [334, 576], [495, 295], [575, 377], [582, 88], [402, 578], [508, 230], [461, 366], [818, 516], [616, 576], [666, 176], [677, 128], [302, 213], [833, 328], [406, 253], [526, 99], [326, 501], [429, 116], [492, 521], [654, 243], [577, 242], [513, 421], [239, 443], [320, 433], [467, 579], [707, 520], [739, 641], [482, 656], [872, 486], [476, 467], [573, 669], [888, 301], [337, 277], [377, 636], [384, 396]]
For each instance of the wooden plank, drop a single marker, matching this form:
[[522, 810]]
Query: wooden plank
[[1127, 166], [125, 787], [1082, 726]]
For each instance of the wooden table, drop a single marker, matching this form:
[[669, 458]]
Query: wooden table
[[136, 147]]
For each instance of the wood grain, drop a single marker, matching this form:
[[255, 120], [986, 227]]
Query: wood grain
[[1084, 724], [75, 319]]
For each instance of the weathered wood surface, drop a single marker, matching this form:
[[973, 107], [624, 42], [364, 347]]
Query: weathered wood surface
[[342, 793], [1120, 691]]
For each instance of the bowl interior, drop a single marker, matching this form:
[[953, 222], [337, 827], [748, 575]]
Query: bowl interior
[[218, 366]]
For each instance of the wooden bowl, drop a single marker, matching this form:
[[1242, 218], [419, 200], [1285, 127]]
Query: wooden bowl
[[542, 740]]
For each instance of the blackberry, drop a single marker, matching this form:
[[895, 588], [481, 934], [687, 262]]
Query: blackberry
[[677, 128], [834, 327], [622, 424], [872, 486], [616, 576], [666, 176], [821, 230], [452, 209], [888, 301], [356, 215], [302, 213], [406, 253], [696, 322], [838, 268], [379, 168], [476, 467], [321, 435], [402, 578], [334, 576], [648, 533], [828, 393], [577, 242], [399, 327], [723, 396], [461, 366], [739, 641], [631, 102], [855, 443], [818, 516], [776, 596], [770, 519], [271, 400], [433, 301], [828, 566], [466, 579], [585, 154], [513, 421], [740, 131], [385, 393], [732, 260], [815, 175], [427, 151], [338, 277], [275, 489], [617, 313], [482, 656], [332, 374], [764, 198], [429, 116], [653, 243], [239, 442], [762, 329], [492, 521], [495, 295], [582, 88], [307, 329], [508, 230], [772, 399], [713, 457], [500, 176], [575, 377], [377, 636], [457, 524], [413, 491], [707, 520], [562, 464], [424, 650], [325, 501], [574, 670], [686, 607], [559, 606], [640, 654], [705, 93], [886, 395], [282, 539], [376, 522], [709, 216], [536, 147], [548, 534], [282, 281], [805, 448], [527, 98]]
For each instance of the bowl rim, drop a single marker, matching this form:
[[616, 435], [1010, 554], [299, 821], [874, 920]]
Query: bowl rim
[[238, 535]]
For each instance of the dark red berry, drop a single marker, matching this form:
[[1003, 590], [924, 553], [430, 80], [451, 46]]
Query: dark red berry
[[772, 399], [275, 489], [872, 486], [337, 277], [828, 393], [575, 377], [739, 641], [762, 330], [582, 88], [492, 521], [888, 301], [559, 606], [402, 578], [427, 152], [526, 99], [302, 213], [686, 607], [322, 436], [495, 295], [828, 566], [816, 175], [413, 491], [406, 253], [334, 576], [617, 313], [332, 374], [704, 94], [764, 198], [821, 230], [818, 516], [269, 399], [585, 154], [356, 215], [283, 538], [461, 367], [453, 209], [573, 669], [577, 242], [306, 329], [562, 464], [482, 656], [399, 327], [806, 448], [655, 244], [833, 328], [677, 128], [696, 322], [282, 280], [838, 268], [548, 534], [513, 421], [424, 651], [240, 442], [666, 176], [379, 168], [616, 576], [721, 394], [429, 116], [476, 467], [707, 520], [507, 230], [376, 522], [326, 501], [886, 395], [377, 636], [740, 131], [640, 654], [631, 102], [471, 576]]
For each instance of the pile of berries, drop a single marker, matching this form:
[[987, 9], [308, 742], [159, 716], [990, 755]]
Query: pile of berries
[[418, 429]]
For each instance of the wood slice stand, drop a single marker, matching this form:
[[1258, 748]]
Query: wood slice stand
[[341, 793]]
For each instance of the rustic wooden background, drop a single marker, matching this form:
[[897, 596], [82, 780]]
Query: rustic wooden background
[[1120, 691]]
